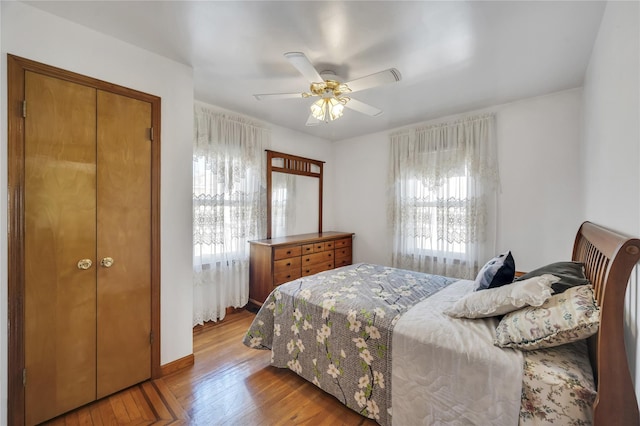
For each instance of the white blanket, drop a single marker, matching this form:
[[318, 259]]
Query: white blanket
[[449, 372]]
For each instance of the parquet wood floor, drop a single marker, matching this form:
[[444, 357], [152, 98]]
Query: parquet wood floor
[[229, 384]]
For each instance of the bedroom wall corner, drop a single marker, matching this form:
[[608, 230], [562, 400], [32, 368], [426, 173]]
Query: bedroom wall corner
[[36, 35], [610, 153]]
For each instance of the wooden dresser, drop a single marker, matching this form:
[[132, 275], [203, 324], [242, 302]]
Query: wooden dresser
[[278, 260]]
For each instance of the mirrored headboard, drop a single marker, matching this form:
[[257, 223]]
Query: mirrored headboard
[[309, 170]]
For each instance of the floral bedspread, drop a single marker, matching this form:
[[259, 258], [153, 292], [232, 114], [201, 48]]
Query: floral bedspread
[[335, 329]]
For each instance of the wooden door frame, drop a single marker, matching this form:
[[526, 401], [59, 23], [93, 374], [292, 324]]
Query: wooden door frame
[[16, 68]]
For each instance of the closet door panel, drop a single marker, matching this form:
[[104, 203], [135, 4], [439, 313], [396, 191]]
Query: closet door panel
[[124, 235], [60, 212]]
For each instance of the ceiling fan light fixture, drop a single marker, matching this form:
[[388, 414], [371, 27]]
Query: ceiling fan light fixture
[[333, 93], [318, 109], [327, 109], [336, 108]]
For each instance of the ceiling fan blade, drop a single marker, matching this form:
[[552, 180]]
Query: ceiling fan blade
[[312, 121], [383, 77], [303, 65], [359, 106], [264, 96]]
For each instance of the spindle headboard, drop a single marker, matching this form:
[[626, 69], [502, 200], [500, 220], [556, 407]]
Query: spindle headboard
[[609, 258]]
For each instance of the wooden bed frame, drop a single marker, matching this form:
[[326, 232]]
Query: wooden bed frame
[[609, 258]]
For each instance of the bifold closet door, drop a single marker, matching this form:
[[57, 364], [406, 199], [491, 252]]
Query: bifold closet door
[[60, 241], [87, 245], [124, 242]]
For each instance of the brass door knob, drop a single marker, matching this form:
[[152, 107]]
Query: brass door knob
[[84, 264], [107, 262]]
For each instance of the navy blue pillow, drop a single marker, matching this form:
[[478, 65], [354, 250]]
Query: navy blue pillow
[[497, 272]]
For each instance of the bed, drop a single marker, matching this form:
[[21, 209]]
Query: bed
[[391, 345]]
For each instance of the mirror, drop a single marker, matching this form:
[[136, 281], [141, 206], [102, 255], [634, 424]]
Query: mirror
[[294, 195]]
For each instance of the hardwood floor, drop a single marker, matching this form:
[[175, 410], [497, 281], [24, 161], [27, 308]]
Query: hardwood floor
[[229, 384]]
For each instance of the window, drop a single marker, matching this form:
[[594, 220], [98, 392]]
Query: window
[[224, 219], [443, 180], [228, 209], [442, 212]]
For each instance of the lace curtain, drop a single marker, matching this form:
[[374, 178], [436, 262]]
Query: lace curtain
[[228, 209], [443, 184]]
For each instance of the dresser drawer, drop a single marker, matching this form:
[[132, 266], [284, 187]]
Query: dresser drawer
[[312, 259], [343, 252], [285, 276], [276, 261], [283, 252], [284, 265], [345, 242], [318, 267], [343, 261]]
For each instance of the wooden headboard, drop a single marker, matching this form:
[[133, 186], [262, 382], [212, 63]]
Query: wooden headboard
[[609, 258]]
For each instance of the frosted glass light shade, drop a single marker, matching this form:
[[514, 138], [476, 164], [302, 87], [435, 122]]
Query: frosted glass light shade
[[327, 109]]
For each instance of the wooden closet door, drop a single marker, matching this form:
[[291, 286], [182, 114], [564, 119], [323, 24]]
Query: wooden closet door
[[60, 231], [124, 235]]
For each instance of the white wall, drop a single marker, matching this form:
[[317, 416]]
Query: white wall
[[539, 206], [611, 149], [42, 37]]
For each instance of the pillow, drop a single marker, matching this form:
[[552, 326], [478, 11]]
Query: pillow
[[500, 300], [571, 274], [563, 318], [558, 386], [497, 272]]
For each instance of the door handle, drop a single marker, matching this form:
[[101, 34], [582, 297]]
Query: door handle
[[84, 264], [106, 262]]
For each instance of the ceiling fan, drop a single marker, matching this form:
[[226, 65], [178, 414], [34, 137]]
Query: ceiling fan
[[333, 93]]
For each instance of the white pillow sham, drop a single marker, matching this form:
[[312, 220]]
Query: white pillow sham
[[501, 300]]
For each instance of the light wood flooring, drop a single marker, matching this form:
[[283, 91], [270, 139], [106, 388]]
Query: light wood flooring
[[229, 384]]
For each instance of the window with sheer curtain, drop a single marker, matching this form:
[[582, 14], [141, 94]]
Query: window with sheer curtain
[[228, 209], [443, 184]]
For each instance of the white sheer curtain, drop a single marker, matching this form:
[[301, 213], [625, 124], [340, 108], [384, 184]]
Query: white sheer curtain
[[228, 209], [443, 184]]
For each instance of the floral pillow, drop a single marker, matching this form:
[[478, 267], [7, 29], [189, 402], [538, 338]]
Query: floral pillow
[[563, 318], [497, 272], [558, 386], [508, 298]]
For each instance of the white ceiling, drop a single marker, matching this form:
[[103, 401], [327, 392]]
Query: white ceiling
[[454, 56]]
